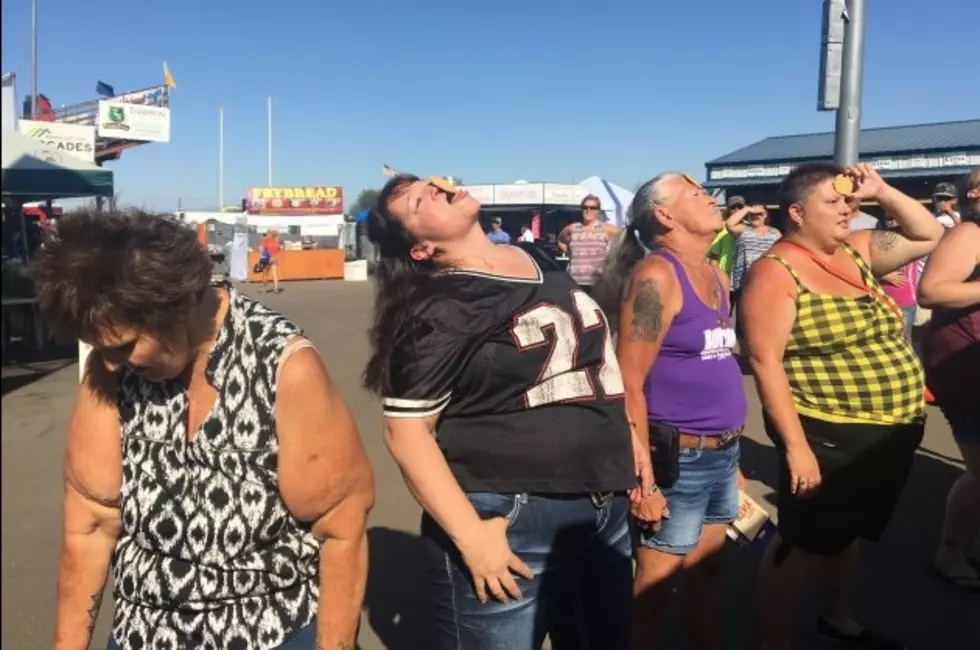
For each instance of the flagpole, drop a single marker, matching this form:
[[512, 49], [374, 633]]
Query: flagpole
[[33, 59], [270, 140], [221, 159]]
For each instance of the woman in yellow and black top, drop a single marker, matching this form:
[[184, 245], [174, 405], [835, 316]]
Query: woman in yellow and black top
[[841, 387]]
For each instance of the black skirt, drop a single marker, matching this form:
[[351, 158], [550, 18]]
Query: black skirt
[[864, 468]]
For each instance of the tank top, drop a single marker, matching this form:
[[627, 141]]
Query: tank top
[[951, 352], [209, 556], [587, 252], [695, 383], [848, 360]]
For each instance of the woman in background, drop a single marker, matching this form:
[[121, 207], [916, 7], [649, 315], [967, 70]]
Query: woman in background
[[271, 250], [951, 353]]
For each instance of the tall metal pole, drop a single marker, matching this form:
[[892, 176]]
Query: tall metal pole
[[221, 159], [270, 140], [33, 58], [852, 71]]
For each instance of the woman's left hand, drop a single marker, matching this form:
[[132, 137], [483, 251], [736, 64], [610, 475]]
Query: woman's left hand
[[868, 183], [643, 469]]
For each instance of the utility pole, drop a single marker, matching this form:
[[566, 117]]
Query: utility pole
[[33, 59], [221, 159], [270, 140], [848, 128]]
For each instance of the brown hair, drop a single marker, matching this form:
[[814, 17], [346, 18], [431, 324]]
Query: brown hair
[[100, 271], [590, 197]]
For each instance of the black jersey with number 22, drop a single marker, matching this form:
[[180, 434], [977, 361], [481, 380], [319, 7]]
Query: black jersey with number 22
[[523, 377]]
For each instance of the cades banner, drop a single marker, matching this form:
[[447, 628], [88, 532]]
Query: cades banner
[[72, 139], [124, 121], [295, 201]]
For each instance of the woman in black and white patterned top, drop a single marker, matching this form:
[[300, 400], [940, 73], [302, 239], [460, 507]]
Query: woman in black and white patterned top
[[228, 486]]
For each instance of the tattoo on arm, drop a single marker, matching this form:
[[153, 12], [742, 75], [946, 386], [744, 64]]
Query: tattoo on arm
[[93, 610], [884, 240], [648, 312], [339, 646]]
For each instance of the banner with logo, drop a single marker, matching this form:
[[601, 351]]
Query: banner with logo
[[124, 121], [73, 139], [295, 201]]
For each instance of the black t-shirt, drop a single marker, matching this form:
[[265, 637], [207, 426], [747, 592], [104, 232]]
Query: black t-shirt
[[524, 378]]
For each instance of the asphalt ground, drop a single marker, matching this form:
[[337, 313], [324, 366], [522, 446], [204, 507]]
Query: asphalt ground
[[896, 594]]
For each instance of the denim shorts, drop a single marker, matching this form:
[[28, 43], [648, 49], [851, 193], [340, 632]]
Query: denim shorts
[[706, 492], [965, 426], [580, 551]]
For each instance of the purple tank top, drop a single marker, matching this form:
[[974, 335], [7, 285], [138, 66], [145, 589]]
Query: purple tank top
[[695, 383]]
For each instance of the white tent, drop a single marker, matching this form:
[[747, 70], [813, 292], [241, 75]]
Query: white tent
[[615, 199]]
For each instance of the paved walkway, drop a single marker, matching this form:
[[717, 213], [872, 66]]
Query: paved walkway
[[897, 594]]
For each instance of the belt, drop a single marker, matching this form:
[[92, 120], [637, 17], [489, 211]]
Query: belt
[[600, 499], [723, 441]]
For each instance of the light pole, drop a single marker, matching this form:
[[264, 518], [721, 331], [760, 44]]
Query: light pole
[[221, 159], [33, 58], [848, 128], [270, 140]]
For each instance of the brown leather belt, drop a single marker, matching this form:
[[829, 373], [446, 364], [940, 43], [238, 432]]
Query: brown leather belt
[[723, 441]]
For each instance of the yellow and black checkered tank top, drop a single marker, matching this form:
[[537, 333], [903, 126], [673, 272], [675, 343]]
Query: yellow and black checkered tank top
[[847, 359]]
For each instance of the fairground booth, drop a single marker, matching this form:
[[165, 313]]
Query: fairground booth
[[912, 158]]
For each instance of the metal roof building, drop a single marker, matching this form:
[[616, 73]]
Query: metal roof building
[[913, 157]]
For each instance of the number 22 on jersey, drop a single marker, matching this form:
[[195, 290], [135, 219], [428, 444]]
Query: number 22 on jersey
[[560, 381]]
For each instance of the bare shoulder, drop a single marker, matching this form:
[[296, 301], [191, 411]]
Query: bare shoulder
[[769, 276], [93, 445]]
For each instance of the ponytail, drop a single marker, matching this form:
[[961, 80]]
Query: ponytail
[[610, 286]]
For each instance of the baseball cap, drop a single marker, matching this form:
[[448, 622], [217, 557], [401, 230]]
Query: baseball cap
[[735, 200], [945, 190]]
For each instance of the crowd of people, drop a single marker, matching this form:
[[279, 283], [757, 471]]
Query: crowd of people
[[555, 425]]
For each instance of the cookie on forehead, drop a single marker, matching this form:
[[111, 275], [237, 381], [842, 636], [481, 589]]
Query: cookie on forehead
[[843, 185], [690, 179], [442, 183]]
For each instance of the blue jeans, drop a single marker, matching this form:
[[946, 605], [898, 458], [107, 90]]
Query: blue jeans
[[305, 639], [706, 492], [580, 551]]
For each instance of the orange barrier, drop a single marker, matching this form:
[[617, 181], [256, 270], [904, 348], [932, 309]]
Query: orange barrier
[[303, 265]]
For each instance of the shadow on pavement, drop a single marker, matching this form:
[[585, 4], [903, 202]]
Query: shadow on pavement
[[896, 592], [397, 607], [20, 374]]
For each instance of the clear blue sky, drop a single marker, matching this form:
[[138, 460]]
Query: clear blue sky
[[488, 91]]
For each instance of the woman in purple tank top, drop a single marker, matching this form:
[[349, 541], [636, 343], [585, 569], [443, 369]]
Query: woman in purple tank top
[[683, 393]]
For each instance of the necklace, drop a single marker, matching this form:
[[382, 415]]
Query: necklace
[[714, 291]]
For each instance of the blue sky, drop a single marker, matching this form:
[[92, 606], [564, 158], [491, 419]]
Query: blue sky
[[490, 92]]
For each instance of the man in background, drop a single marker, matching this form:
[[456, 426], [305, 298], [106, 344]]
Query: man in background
[[497, 234], [944, 204]]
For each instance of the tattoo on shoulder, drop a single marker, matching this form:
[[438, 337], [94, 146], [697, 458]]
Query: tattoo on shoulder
[[884, 240], [93, 610], [648, 311]]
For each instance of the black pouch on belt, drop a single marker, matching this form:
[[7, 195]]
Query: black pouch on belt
[[665, 448]]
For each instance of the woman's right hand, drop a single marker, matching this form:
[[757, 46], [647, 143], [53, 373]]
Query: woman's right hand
[[491, 562], [651, 510], [804, 471]]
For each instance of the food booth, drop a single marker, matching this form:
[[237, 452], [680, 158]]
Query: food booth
[[304, 211]]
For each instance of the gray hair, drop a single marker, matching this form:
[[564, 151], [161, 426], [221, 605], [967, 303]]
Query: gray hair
[[631, 247]]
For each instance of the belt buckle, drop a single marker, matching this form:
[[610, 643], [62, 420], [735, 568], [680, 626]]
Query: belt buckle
[[600, 499]]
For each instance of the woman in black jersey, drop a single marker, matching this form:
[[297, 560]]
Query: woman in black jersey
[[503, 407]]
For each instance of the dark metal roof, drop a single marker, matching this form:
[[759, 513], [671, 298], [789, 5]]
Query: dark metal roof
[[943, 136]]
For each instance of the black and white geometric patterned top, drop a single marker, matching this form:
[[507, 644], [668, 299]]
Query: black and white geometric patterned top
[[209, 557]]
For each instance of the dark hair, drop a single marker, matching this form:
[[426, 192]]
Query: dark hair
[[102, 270], [969, 208], [799, 184], [610, 286], [590, 197], [398, 279]]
